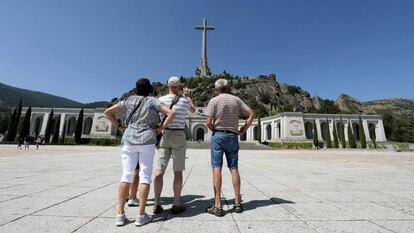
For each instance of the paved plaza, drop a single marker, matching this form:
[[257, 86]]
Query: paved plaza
[[74, 189]]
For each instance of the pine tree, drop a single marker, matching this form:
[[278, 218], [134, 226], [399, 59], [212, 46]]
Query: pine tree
[[315, 136], [362, 138], [342, 133], [55, 138], [78, 129], [49, 127], [9, 136], [24, 130], [351, 138], [328, 135], [335, 135], [62, 139]]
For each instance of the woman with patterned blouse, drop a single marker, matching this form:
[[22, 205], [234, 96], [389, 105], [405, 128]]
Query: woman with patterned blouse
[[138, 141]]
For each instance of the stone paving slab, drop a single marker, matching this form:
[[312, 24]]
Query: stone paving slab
[[74, 189]]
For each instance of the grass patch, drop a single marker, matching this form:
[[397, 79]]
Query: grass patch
[[94, 141], [402, 145], [290, 145]]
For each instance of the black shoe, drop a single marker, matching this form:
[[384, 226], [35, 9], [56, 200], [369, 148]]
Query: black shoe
[[157, 209], [177, 209], [238, 208], [219, 212]]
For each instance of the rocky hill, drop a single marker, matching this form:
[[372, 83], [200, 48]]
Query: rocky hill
[[268, 97], [396, 106]]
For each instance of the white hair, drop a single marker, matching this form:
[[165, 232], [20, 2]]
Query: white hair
[[220, 84]]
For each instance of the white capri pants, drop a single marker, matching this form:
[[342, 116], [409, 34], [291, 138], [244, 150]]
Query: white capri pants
[[133, 154]]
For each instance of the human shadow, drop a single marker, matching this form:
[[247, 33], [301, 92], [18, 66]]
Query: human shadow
[[196, 205], [254, 204]]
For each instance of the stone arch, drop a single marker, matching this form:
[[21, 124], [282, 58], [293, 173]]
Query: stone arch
[[197, 130], [200, 134], [278, 136], [38, 122], [268, 132], [324, 126], [255, 133], [87, 125], [309, 130], [355, 131], [70, 126]]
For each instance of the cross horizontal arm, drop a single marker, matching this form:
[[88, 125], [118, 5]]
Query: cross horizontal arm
[[204, 28]]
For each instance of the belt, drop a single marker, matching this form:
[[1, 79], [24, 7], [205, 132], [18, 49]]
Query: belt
[[173, 129], [224, 131]]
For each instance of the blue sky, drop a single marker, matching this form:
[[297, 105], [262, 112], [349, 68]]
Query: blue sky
[[90, 50]]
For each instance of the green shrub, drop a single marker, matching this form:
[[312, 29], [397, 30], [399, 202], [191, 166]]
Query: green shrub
[[105, 141], [290, 145]]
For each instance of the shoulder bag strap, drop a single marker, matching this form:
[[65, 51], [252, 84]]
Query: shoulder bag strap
[[174, 101], [135, 109]]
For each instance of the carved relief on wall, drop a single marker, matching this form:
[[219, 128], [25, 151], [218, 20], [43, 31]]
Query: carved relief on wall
[[102, 124], [295, 128]]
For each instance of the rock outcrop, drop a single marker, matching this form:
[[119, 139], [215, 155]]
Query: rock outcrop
[[268, 97]]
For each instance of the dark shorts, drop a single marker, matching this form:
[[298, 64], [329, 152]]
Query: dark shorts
[[224, 143]]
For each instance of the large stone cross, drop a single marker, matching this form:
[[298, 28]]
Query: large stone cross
[[204, 67]]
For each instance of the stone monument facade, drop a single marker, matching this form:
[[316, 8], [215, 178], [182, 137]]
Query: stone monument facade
[[288, 126]]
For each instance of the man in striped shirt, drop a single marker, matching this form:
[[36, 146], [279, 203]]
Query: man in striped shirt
[[173, 144], [223, 112]]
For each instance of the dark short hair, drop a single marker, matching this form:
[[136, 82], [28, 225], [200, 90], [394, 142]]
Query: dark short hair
[[143, 87]]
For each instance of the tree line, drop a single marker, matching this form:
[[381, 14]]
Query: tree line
[[18, 127]]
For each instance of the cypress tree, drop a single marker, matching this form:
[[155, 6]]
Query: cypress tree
[[328, 135], [49, 127], [62, 139], [342, 133], [55, 138], [78, 129], [315, 136], [351, 138], [373, 137], [14, 123], [24, 130], [259, 130], [335, 135], [362, 138], [17, 120], [9, 136]]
